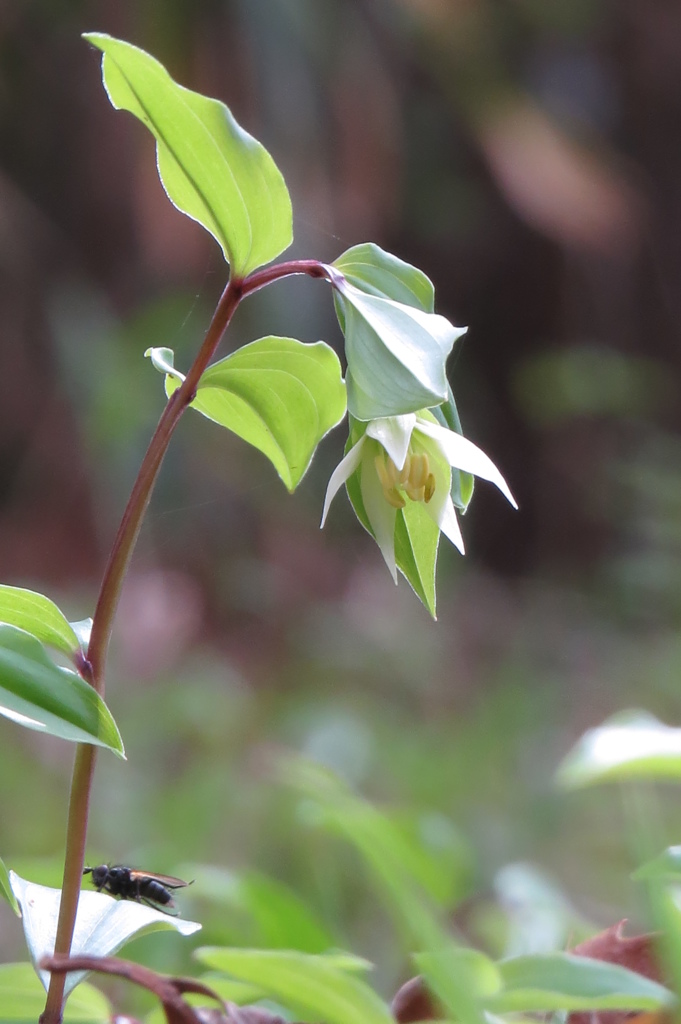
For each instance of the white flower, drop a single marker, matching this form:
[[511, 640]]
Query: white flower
[[410, 458]]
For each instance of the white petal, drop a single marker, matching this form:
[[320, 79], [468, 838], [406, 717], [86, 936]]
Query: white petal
[[345, 468], [394, 434], [381, 515], [448, 521], [463, 454]]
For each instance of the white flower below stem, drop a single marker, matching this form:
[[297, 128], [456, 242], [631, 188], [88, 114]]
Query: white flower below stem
[[410, 458]]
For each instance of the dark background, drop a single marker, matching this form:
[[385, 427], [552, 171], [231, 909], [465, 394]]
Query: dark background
[[525, 155]]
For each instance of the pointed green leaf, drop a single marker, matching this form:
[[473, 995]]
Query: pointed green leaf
[[562, 981], [396, 354], [377, 272], [279, 395], [6, 889], [103, 924], [311, 986], [22, 999], [36, 693], [39, 616], [631, 745], [212, 169]]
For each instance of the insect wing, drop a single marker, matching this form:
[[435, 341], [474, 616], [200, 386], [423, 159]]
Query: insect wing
[[168, 880]]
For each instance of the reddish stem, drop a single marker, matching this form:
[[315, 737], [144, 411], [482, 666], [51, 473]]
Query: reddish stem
[[109, 594]]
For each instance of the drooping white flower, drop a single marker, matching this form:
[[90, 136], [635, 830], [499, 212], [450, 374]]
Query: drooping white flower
[[410, 458]]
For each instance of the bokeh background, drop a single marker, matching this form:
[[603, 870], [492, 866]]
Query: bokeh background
[[527, 156]]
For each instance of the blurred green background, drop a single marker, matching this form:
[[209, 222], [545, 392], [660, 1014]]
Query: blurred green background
[[527, 156]]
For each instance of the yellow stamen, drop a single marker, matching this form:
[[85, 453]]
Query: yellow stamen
[[394, 498], [429, 488]]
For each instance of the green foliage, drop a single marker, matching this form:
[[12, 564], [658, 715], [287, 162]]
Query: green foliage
[[312, 987], [36, 693], [630, 745], [22, 999], [270, 910], [38, 616], [212, 169], [103, 924], [278, 394], [559, 981]]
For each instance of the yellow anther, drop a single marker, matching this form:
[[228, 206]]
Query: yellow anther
[[420, 470], [394, 498], [403, 474], [383, 476], [415, 493], [429, 490]]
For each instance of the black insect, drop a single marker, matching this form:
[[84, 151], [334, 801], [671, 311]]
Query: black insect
[[142, 886]]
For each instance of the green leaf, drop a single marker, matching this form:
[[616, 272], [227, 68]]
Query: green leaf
[[36, 693], [279, 395], [281, 919], [666, 867], [6, 889], [561, 981], [103, 924], [310, 986], [38, 616], [391, 860], [396, 354], [211, 169], [630, 745], [377, 272], [22, 999]]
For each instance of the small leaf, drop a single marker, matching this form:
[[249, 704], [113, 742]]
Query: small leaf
[[396, 354], [103, 924], [307, 985], [561, 981], [36, 693], [83, 630], [6, 889], [279, 395], [211, 169], [377, 272], [631, 745], [38, 616], [22, 999]]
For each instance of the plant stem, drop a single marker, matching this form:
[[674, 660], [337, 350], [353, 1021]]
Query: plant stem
[[109, 594]]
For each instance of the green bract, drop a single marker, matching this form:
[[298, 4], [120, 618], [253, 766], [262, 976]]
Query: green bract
[[212, 169], [277, 394], [36, 693], [377, 272]]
